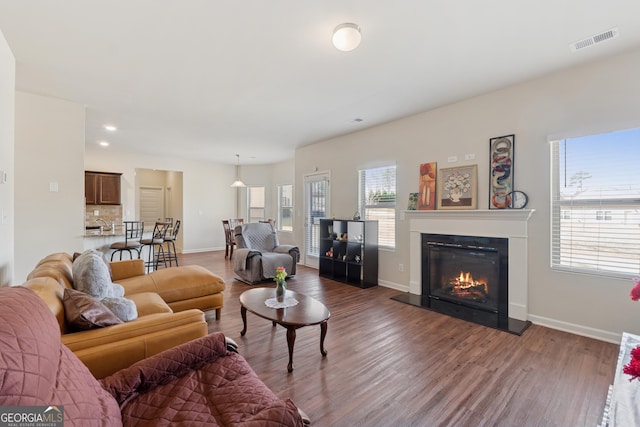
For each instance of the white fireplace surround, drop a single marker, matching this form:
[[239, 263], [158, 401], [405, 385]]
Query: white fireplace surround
[[505, 223]]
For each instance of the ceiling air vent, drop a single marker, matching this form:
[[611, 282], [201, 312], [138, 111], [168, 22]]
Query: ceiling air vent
[[593, 40]]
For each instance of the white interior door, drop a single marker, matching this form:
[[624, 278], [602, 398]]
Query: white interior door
[[151, 206], [316, 198]]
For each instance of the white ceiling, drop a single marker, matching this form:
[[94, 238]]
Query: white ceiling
[[207, 79]]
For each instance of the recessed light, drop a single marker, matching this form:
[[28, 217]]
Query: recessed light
[[103, 143], [358, 120], [110, 128]]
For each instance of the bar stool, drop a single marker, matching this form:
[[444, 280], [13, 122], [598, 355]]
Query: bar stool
[[170, 239], [156, 246], [132, 235]]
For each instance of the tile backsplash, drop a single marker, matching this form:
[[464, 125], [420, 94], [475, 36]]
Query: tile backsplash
[[110, 213]]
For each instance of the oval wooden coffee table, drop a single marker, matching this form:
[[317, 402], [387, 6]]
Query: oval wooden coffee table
[[307, 312]]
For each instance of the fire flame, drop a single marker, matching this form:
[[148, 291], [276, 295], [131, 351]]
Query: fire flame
[[465, 281]]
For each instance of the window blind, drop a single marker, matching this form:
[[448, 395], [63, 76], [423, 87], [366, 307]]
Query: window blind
[[595, 204], [377, 201], [285, 207], [256, 203], [317, 189]]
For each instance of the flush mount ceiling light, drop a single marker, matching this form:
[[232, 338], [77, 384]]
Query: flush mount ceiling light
[[346, 36], [238, 182]]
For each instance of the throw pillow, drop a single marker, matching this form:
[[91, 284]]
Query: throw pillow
[[104, 258], [91, 276], [82, 311]]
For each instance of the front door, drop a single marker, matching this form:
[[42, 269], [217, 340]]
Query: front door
[[317, 197]]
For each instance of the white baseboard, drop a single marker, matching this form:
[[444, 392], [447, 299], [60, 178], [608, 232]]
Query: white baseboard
[[195, 251], [585, 331], [392, 285]]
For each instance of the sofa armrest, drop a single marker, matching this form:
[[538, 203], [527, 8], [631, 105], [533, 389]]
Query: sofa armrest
[[140, 327], [242, 257], [163, 367], [287, 249], [292, 250], [126, 269], [107, 350]]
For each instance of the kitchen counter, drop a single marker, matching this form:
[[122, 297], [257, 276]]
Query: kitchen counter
[[118, 231], [102, 240]]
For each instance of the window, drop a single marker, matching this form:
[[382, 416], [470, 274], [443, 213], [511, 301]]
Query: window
[[285, 207], [255, 203], [377, 200], [595, 204]]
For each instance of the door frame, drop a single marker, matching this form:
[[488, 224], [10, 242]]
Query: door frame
[[308, 259]]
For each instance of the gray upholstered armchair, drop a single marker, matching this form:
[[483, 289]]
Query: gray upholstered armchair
[[258, 253]]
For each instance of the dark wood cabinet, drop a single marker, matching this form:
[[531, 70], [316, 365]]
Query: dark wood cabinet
[[102, 188], [349, 251]]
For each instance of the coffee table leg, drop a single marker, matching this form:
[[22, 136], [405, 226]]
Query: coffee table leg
[[243, 313], [323, 333], [291, 339]]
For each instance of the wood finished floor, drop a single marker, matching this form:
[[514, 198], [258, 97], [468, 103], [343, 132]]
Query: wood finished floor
[[392, 364]]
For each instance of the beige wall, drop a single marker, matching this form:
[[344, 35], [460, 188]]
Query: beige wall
[[269, 176], [49, 135], [207, 197], [7, 113], [596, 97]]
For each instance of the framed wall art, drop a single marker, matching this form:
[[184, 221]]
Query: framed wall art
[[413, 202], [427, 187], [458, 187], [501, 150]]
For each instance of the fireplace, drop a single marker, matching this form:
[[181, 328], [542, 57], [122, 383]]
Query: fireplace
[[510, 227], [467, 277]]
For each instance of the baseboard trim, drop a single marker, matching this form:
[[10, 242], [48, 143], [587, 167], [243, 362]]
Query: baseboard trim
[[572, 328], [196, 251], [392, 285]]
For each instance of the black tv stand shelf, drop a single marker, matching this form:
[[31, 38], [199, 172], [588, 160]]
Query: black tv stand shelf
[[349, 251]]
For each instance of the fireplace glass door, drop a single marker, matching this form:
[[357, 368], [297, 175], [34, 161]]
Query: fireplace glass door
[[464, 276]]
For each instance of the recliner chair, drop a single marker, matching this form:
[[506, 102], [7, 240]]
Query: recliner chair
[[258, 253]]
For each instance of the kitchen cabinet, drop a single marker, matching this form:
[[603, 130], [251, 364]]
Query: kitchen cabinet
[[102, 188]]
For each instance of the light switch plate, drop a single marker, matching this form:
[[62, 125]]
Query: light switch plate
[[3, 177]]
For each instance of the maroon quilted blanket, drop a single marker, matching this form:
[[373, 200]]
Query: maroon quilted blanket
[[198, 383], [37, 370]]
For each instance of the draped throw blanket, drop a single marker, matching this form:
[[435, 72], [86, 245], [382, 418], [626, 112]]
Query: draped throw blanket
[[261, 240]]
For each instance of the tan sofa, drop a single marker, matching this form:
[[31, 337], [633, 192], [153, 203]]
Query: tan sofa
[[170, 304]]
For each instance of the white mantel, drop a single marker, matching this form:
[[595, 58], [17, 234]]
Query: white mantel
[[505, 223]]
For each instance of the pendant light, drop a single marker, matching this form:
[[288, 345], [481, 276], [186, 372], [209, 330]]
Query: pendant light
[[238, 182]]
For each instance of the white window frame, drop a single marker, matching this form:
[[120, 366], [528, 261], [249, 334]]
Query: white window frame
[[282, 206], [374, 206], [251, 208], [595, 224]]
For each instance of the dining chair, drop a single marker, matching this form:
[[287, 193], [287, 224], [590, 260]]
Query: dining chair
[[229, 238]]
